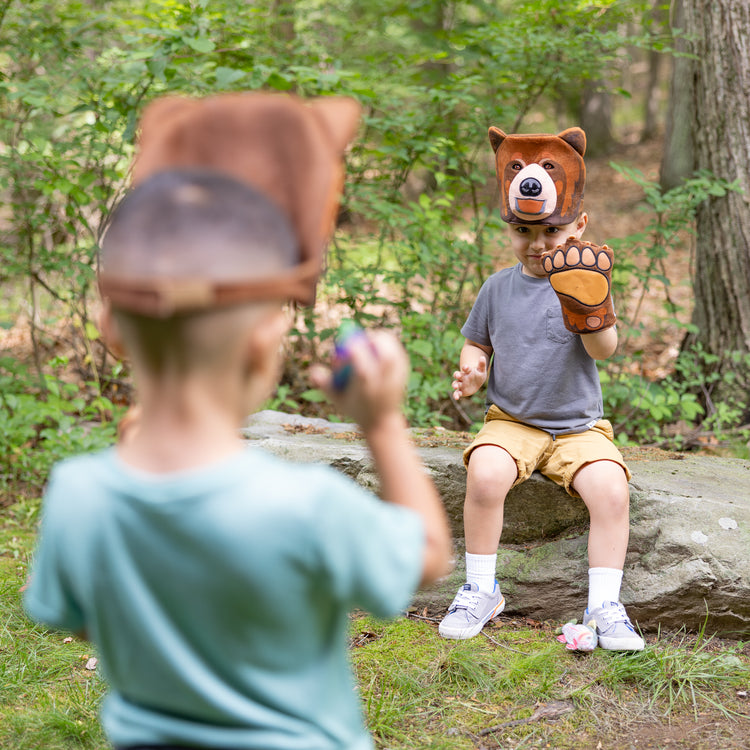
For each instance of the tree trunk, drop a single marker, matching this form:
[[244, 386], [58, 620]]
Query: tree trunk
[[651, 95], [720, 34], [596, 118], [282, 21], [677, 161]]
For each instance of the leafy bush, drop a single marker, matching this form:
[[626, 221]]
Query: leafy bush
[[418, 230], [676, 411], [673, 412], [431, 77], [43, 421], [643, 258]]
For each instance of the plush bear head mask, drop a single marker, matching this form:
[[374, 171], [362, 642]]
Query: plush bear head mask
[[289, 149], [541, 176]]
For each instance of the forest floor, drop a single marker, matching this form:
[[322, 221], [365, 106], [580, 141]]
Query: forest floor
[[677, 694]]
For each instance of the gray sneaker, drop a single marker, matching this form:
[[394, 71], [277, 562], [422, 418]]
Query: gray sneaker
[[470, 611], [613, 626]]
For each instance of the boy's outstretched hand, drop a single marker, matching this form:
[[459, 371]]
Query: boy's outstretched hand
[[469, 379], [581, 275], [375, 389]]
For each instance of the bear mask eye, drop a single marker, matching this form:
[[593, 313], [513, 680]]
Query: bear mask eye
[[548, 165], [516, 166]]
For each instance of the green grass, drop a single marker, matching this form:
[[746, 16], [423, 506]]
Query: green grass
[[424, 692], [683, 671], [48, 699], [418, 691]]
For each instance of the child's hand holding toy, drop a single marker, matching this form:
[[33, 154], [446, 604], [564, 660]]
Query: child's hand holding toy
[[368, 376]]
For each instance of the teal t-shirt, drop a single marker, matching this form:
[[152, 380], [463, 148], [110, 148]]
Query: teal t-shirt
[[218, 599]]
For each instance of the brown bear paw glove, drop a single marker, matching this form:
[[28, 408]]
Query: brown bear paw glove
[[581, 275]]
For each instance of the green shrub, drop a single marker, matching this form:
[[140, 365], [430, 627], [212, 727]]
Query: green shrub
[[676, 410], [42, 421]]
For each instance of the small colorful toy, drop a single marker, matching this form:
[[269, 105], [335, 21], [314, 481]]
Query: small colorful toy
[[347, 334], [578, 637]]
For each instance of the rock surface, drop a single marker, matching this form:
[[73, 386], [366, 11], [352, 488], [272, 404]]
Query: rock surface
[[688, 561]]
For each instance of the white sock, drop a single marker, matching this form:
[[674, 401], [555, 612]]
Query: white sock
[[480, 569], [604, 586]]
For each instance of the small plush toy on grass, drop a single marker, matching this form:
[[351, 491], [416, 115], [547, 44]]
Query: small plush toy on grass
[[578, 637]]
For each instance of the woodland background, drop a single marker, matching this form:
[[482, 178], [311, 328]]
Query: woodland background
[[418, 231]]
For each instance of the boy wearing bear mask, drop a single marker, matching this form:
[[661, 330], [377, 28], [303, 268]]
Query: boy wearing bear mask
[[533, 335]]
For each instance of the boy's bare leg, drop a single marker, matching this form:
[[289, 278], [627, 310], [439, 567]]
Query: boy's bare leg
[[603, 486], [491, 473]]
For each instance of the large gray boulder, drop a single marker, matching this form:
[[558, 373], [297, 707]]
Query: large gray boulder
[[688, 561]]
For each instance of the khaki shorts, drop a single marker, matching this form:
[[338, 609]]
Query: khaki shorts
[[558, 458]]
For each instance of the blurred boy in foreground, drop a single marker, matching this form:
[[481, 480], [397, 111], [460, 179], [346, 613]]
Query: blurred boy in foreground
[[215, 579]]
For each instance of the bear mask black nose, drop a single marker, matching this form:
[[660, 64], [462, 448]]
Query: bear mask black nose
[[530, 187]]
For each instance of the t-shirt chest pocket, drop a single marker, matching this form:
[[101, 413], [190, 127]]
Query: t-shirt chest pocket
[[556, 330]]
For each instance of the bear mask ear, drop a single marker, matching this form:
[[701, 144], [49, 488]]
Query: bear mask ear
[[497, 137], [340, 116], [574, 137]]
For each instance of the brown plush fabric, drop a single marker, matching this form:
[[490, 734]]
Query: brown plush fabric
[[289, 149], [541, 176]]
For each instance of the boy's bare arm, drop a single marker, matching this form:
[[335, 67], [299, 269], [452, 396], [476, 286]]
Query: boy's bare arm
[[374, 397], [600, 345], [404, 481], [473, 367]]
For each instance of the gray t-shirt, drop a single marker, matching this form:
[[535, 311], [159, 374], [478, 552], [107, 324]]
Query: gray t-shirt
[[540, 372]]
